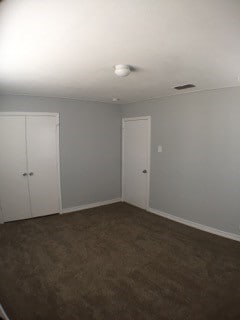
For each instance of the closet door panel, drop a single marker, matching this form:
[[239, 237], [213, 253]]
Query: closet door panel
[[42, 164], [14, 194]]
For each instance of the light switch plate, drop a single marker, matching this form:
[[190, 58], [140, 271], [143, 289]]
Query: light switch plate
[[159, 148]]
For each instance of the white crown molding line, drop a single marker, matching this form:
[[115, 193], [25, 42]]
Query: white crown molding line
[[120, 103], [191, 91], [195, 225], [90, 205], [81, 99]]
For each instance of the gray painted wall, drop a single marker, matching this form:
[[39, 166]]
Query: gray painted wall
[[197, 176], [90, 138]]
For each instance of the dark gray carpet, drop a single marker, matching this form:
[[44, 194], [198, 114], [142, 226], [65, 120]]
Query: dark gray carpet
[[116, 262]]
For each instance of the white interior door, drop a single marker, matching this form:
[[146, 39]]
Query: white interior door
[[136, 161], [14, 194], [41, 133]]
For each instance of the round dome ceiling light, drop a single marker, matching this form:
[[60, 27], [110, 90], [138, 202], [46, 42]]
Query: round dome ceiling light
[[115, 99], [122, 70]]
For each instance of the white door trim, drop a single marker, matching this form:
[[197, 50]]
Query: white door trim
[[49, 114], [137, 118], [148, 118], [1, 213], [58, 163]]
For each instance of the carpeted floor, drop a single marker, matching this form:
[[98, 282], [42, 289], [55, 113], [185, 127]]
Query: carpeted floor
[[116, 262]]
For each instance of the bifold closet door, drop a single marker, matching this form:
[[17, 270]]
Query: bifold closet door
[[41, 134], [14, 193]]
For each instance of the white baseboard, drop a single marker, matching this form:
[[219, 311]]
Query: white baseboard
[[199, 226], [189, 223], [91, 205]]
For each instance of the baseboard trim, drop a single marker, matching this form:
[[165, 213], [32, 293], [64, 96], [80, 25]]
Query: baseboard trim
[[90, 205], [199, 226]]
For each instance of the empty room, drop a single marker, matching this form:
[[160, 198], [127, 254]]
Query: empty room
[[119, 160]]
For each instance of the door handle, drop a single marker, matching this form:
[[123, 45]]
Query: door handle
[[31, 173], [24, 174], [144, 171]]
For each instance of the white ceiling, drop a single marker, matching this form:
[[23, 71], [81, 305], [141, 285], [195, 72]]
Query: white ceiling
[[67, 48]]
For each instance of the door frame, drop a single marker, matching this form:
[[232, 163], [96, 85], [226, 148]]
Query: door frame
[[148, 118], [49, 114]]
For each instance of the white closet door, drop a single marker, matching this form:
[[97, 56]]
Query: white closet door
[[14, 194], [42, 164], [136, 146]]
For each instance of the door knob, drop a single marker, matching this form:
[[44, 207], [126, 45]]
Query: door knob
[[144, 171], [31, 173], [24, 174]]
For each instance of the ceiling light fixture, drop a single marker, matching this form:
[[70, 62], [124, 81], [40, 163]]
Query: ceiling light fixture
[[122, 70], [115, 99]]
